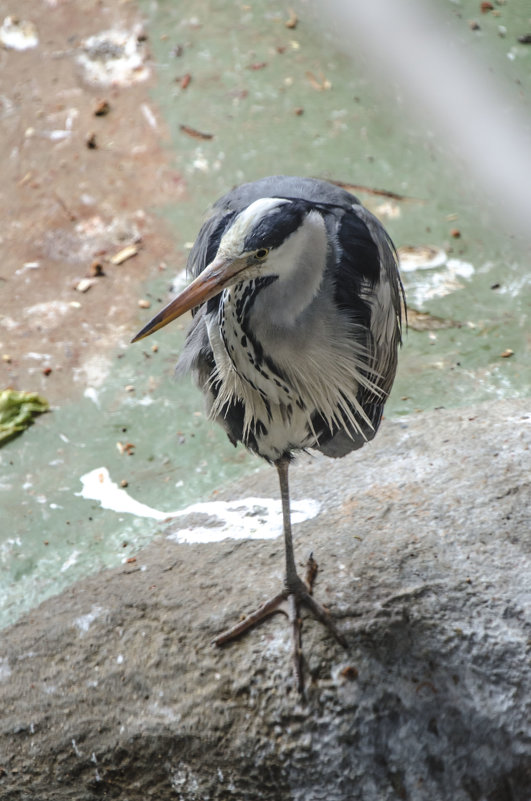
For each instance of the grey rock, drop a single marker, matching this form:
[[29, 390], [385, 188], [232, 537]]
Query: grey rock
[[112, 689]]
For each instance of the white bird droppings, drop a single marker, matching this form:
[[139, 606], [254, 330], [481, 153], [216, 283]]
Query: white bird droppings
[[18, 34], [114, 57], [246, 518]]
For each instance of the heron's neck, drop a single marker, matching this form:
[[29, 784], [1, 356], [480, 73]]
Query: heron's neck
[[299, 266], [256, 319]]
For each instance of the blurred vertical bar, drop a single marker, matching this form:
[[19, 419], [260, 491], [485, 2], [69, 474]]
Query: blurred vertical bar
[[415, 47]]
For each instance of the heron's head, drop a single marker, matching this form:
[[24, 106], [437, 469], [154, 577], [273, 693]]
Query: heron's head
[[254, 244]]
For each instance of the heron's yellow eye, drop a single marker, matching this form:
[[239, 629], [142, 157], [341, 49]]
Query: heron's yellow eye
[[261, 254]]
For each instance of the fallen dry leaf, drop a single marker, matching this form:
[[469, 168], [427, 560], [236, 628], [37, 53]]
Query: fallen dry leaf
[[124, 254], [372, 191], [194, 133], [84, 285], [293, 19], [423, 321], [101, 108], [96, 268], [320, 85], [126, 447]]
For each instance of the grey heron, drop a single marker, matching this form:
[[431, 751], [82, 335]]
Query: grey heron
[[297, 311]]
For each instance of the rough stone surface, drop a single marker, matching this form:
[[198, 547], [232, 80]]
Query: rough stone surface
[[112, 690]]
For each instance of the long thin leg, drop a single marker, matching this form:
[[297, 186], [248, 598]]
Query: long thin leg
[[292, 577], [294, 594], [294, 584]]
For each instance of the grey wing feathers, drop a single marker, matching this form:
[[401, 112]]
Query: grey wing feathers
[[196, 355], [388, 264], [369, 287], [207, 241], [388, 305]]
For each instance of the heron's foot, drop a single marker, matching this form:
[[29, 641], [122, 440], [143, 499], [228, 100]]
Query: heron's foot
[[289, 602]]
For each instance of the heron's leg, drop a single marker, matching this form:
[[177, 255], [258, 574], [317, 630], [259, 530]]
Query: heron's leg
[[292, 579], [297, 591], [294, 594]]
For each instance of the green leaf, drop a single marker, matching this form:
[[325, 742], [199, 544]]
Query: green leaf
[[17, 410]]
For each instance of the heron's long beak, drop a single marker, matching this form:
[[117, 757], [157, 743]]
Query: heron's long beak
[[214, 278]]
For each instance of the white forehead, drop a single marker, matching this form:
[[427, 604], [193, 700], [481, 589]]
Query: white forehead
[[248, 219]]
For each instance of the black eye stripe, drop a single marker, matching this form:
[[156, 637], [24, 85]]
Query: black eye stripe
[[275, 227]]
